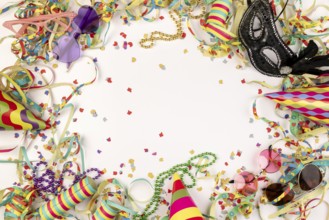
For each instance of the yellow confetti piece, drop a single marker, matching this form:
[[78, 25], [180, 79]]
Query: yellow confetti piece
[[55, 65], [163, 67], [185, 51], [131, 161], [133, 59], [102, 48], [220, 81], [130, 175], [199, 188], [161, 159], [191, 151], [150, 175]]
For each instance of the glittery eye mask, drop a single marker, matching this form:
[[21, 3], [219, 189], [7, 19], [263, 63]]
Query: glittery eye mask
[[265, 40]]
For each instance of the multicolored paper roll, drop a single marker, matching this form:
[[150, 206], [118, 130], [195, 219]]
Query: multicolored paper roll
[[104, 212], [57, 207], [216, 23], [311, 102], [14, 116], [182, 205], [18, 203]]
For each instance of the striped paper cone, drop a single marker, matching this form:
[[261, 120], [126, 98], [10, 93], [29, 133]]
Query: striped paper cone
[[216, 23], [14, 116], [57, 207], [104, 212], [182, 205], [312, 102]]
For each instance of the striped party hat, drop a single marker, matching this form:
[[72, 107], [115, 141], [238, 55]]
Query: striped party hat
[[14, 116], [311, 102], [182, 205]]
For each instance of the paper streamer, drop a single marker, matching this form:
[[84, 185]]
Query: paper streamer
[[18, 202], [14, 116], [182, 205], [104, 212], [311, 102], [67, 200], [216, 22]]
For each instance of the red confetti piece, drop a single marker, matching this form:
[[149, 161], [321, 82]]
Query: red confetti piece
[[109, 139], [81, 109], [260, 91], [161, 17], [161, 134], [109, 80], [130, 44], [146, 150], [183, 35], [43, 71], [154, 154], [268, 130], [75, 81], [123, 35], [115, 43], [243, 81], [129, 89], [115, 173], [129, 112]]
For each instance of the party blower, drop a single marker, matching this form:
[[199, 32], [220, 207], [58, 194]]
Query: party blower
[[67, 49], [57, 208]]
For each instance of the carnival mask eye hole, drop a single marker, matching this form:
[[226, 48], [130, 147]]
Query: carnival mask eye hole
[[256, 27], [271, 56]]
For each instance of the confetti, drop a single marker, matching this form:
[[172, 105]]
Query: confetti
[[161, 134], [93, 113], [129, 112], [150, 175], [163, 67], [185, 51], [109, 80], [133, 59]]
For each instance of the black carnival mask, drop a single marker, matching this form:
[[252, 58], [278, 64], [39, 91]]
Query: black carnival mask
[[265, 40]]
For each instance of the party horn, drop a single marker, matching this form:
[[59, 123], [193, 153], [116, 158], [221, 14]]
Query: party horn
[[182, 205], [104, 212], [57, 207], [311, 102], [216, 21], [14, 116]]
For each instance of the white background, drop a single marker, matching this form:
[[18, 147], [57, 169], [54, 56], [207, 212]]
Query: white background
[[186, 102]]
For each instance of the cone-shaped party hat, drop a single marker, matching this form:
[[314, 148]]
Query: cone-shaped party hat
[[14, 116], [311, 102], [182, 205]]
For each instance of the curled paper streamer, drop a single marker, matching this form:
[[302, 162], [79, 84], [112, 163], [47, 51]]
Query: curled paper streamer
[[104, 212], [216, 22], [67, 200], [14, 116], [311, 102], [182, 205], [18, 202]]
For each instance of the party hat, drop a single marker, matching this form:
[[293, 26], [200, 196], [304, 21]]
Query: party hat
[[182, 205], [311, 102], [14, 116]]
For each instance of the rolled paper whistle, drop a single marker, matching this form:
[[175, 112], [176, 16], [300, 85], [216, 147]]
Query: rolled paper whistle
[[216, 22], [57, 207], [105, 212]]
